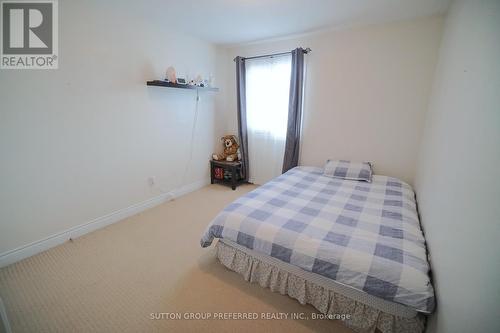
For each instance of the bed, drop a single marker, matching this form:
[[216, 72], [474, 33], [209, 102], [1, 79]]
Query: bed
[[344, 246]]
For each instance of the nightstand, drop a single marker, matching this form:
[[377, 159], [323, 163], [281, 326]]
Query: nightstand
[[226, 173]]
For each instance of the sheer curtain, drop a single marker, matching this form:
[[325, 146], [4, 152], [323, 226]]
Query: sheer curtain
[[267, 98]]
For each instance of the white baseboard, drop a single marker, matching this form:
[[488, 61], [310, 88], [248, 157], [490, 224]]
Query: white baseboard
[[31, 249]]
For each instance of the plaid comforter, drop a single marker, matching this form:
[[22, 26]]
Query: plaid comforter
[[365, 235]]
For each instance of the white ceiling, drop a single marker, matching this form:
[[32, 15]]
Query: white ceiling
[[239, 21]]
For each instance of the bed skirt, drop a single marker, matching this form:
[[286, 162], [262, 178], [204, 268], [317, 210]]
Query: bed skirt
[[363, 318]]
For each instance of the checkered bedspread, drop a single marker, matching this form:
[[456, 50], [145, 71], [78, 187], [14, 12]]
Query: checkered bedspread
[[365, 235]]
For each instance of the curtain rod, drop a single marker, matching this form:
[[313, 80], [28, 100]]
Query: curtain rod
[[306, 50]]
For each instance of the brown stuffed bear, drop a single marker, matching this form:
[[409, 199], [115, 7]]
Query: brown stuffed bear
[[230, 152]]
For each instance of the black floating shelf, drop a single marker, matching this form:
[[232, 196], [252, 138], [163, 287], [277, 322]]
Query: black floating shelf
[[161, 83]]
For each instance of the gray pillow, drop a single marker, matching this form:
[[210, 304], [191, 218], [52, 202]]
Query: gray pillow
[[349, 170]]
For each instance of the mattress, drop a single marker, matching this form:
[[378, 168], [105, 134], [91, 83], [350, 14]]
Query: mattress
[[366, 236]]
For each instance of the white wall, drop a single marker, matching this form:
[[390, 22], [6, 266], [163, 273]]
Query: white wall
[[457, 184], [366, 92], [80, 142]]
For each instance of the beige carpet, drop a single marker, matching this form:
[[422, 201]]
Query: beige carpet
[[112, 280]]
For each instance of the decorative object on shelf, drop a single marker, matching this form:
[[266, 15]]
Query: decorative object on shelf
[[192, 83], [171, 75], [167, 84], [181, 81], [230, 174], [199, 81], [230, 152]]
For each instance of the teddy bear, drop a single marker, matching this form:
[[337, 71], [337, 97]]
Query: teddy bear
[[230, 152]]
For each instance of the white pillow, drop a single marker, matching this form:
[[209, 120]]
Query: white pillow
[[349, 170]]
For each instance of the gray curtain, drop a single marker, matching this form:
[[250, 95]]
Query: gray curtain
[[291, 158], [242, 114]]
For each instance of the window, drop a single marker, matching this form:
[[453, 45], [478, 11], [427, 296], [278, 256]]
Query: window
[[267, 96], [267, 93]]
